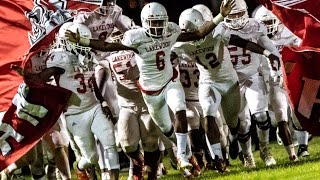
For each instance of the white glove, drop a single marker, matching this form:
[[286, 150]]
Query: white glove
[[26, 110], [276, 75]]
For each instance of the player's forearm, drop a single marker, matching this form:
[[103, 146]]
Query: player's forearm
[[44, 75], [243, 43], [104, 46], [267, 43], [96, 89]]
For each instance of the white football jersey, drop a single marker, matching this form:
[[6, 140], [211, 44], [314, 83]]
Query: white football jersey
[[284, 37], [101, 26], [245, 62], [76, 78], [119, 63], [210, 55], [189, 78], [154, 65]]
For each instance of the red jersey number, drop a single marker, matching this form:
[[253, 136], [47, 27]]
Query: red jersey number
[[160, 60], [83, 86]]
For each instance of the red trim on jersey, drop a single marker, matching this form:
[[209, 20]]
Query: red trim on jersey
[[153, 93]]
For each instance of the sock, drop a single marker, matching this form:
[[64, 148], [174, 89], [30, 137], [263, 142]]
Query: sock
[[216, 148], [263, 137], [290, 150], [302, 137], [181, 144]]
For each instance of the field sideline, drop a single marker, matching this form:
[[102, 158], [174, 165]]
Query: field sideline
[[306, 168]]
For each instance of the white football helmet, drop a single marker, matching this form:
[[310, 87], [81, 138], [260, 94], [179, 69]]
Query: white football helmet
[[61, 40], [85, 33], [238, 17], [154, 19], [205, 11], [117, 35], [190, 20], [268, 19], [106, 7]]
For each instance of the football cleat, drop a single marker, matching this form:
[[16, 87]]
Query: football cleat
[[161, 170], [248, 161], [221, 165], [267, 157], [293, 158], [303, 151], [185, 168], [81, 175], [138, 167], [196, 170]]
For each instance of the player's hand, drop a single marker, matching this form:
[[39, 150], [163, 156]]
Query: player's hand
[[73, 37], [106, 110], [226, 7], [276, 72], [26, 110], [275, 62]]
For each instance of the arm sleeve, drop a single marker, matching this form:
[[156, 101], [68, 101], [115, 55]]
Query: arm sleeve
[[265, 42], [122, 25], [127, 40]]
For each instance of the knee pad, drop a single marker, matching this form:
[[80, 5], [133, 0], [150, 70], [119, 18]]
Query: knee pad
[[243, 138], [262, 119]]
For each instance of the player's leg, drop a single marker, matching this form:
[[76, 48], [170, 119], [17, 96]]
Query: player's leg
[[280, 106], [195, 137], [244, 137], [129, 137], [210, 99], [302, 136], [258, 104], [175, 98], [239, 126], [103, 129], [79, 126], [56, 146], [150, 142]]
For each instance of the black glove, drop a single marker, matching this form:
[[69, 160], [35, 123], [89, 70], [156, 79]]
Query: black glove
[[106, 110]]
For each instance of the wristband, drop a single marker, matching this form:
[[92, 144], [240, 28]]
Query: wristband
[[104, 104], [266, 53], [216, 20], [84, 41]]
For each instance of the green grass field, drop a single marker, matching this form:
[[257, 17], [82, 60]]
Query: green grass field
[[306, 168]]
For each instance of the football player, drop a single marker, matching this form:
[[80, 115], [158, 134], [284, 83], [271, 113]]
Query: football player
[[280, 37], [252, 86], [134, 122]]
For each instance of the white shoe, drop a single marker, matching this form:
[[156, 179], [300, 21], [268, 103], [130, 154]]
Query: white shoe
[[105, 176], [184, 166], [267, 157]]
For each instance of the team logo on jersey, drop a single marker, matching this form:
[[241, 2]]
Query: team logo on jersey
[[44, 20]]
